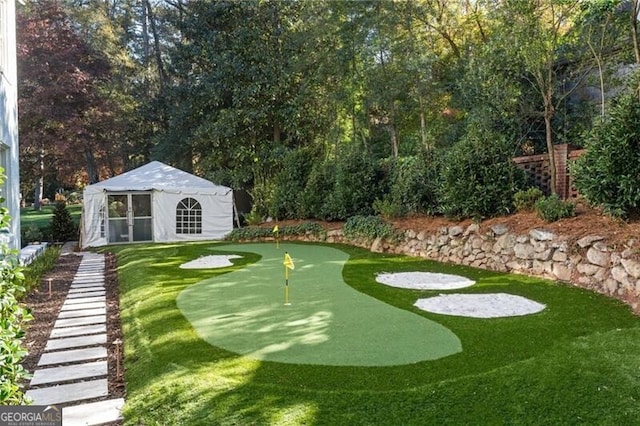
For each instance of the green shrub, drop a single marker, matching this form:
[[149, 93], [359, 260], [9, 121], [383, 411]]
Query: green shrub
[[31, 233], [356, 185], [40, 266], [479, 177], [318, 191], [608, 174], [289, 184], [525, 200], [255, 232], [253, 217], [13, 315], [411, 185], [62, 227], [553, 208], [370, 228], [388, 209]]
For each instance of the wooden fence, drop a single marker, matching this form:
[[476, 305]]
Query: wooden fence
[[537, 167]]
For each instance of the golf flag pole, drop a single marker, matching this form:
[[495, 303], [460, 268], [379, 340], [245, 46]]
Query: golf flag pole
[[275, 233], [288, 264]]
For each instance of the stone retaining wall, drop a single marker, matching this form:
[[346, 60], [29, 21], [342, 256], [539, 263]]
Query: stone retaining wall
[[587, 262]]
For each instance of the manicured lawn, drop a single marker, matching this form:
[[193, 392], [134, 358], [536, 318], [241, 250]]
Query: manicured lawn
[[576, 362], [42, 218]]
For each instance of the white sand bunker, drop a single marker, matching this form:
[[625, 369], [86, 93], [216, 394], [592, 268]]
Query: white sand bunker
[[493, 305], [424, 280], [213, 261]]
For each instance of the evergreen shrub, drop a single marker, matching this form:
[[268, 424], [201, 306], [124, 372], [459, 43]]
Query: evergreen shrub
[[62, 227], [525, 200], [356, 185], [479, 177], [608, 174], [370, 228], [286, 201], [411, 185], [552, 208]]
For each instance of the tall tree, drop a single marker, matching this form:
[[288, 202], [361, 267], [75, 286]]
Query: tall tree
[[61, 111], [537, 30], [246, 83]]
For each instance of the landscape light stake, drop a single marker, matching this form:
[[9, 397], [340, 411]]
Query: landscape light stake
[[117, 343], [50, 279]]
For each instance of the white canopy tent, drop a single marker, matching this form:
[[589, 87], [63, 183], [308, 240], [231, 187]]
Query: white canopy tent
[[155, 202]]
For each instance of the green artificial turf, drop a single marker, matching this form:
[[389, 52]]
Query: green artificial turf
[[576, 362], [326, 322]]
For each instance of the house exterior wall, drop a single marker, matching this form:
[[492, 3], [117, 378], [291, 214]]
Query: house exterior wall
[[9, 152]]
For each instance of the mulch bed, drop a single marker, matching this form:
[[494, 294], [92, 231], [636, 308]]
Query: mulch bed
[[46, 306]]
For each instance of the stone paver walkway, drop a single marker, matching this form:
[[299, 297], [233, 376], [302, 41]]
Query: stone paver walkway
[[72, 370]]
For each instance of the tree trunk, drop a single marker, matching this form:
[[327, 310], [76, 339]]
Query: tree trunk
[[423, 124], [277, 134], [635, 10], [548, 115], [38, 191], [393, 132], [156, 44], [92, 169]]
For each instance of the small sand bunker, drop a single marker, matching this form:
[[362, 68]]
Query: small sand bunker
[[492, 305], [424, 280], [213, 261]]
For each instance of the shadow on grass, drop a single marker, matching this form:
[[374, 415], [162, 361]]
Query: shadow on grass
[[549, 364]]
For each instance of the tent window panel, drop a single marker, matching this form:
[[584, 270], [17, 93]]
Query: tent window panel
[[189, 217]]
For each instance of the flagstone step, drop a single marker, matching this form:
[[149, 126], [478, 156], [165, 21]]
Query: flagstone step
[[88, 280], [78, 331], [69, 372], [92, 293], [69, 392], [74, 322], [75, 342], [92, 299], [82, 313], [77, 350], [76, 290], [72, 355], [80, 306], [93, 413]]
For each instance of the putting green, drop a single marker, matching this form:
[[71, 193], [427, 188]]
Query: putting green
[[327, 323]]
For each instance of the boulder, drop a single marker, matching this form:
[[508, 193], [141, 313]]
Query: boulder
[[588, 240], [632, 267], [541, 235], [598, 257]]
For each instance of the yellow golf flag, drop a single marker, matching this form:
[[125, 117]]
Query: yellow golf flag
[[275, 229], [288, 262]]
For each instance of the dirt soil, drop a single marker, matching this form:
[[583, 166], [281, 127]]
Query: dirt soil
[[587, 221]]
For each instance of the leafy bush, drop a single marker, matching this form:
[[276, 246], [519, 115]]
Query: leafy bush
[[412, 185], [290, 183], [62, 226], [388, 209], [479, 177], [318, 191], [40, 266], [525, 200], [608, 174], [253, 217], [553, 208], [31, 234], [356, 185], [254, 232], [12, 317], [370, 228]]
